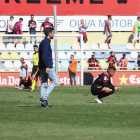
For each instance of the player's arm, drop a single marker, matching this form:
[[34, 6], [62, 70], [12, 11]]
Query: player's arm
[[139, 25], [35, 25], [109, 27], [85, 26], [126, 63], [80, 26], [41, 28], [119, 62], [11, 27], [109, 60], [88, 63], [69, 65]]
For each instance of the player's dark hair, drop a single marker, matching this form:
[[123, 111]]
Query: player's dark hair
[[48, 30], [111, 52], [72, 55], [109, 16], [22, 58], [20, 18], [32, 15], [36, 46], [138, 17], [111, 68]]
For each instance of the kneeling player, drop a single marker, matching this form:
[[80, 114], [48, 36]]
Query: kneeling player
[[102, 85]]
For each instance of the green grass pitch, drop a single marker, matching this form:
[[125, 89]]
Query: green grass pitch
[[74, 115]]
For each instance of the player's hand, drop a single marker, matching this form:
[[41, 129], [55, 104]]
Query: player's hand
[[111, 34], [38, 68], [42, 32], [103, 33], [117, 88], [47, 70]]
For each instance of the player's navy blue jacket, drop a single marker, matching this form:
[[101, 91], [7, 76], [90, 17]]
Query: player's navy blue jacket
[[45, 54]]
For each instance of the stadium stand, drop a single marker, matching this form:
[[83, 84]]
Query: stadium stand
[[103, 63], [65, 50], [5, 55], [20, 47], [94, 47], [24, 55], [86, 47], [8, 64], [29, 47], [2, 47], [104, 47], [11, 47], [17, 64], [14, 56]]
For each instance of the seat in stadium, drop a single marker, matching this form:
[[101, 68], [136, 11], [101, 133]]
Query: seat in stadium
[[59, 65], [103, 64], [76, 47], [11, 47], [69, 54], [67, 47], [17, 64], [1, 64], [30, 65], [130, 66], [65, 64], [24, 55], [118, 56], [88, 55], [14, 55], [85, 64], [94, 47], [134, 55], [137, 46], [2, 47], [29, 47], [86, 47], [106, 54], [8, 64], [78, 55], [104, 47], [129, 46], [31, 55], [99, 55], [61, 55], [59, 47], [5, 55], [20, 47]]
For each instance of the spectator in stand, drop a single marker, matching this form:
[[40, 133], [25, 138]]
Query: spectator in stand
[[137, 63], [10, 27], [98, 67], [91, 63], [45, 25], [82, 30], [136, 30], [19, 30], [32, 26], [72, 70], [112, 59], [107, 30], [123, 62]]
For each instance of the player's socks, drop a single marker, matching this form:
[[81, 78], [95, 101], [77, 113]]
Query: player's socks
[[33, 84]]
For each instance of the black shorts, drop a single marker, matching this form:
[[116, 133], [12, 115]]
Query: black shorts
[[34, 69], [72, 74], [96, 90]]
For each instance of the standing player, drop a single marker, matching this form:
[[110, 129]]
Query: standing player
[[23, 72], [102, 85], [72, 70], [137, 27], [91, 63], [35, 68], [112, 59], [46, 67], [107, 30], [45, 25]]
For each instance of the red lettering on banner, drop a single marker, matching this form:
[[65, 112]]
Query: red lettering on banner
[[70, 7]]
